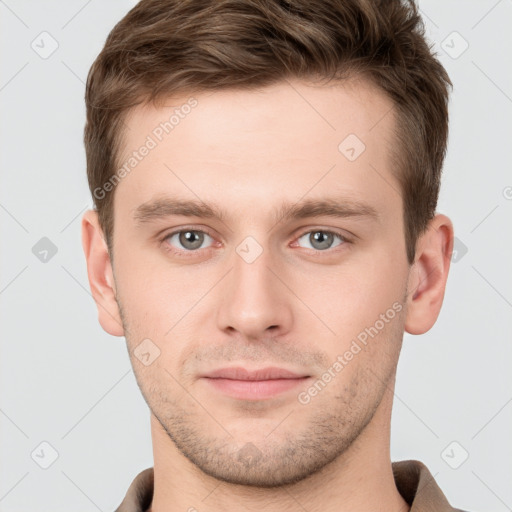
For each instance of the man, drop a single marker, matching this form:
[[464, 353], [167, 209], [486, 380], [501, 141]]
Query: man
[[265, 177]]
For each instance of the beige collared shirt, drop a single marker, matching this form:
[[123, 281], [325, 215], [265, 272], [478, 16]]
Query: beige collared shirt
[[412, 478]]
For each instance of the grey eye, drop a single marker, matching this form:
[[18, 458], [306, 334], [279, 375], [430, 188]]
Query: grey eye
[[321, 239], [189, 239]]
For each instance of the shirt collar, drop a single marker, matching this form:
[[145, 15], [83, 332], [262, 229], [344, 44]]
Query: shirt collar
[[412, 478]]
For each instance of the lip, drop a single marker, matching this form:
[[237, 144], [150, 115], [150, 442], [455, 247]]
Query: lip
[[240, 373], [261, 384]]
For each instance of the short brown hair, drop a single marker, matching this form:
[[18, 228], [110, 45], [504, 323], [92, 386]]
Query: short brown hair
[[170, 47]]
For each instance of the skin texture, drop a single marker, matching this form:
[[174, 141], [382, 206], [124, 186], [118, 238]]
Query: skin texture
[[298, 305]]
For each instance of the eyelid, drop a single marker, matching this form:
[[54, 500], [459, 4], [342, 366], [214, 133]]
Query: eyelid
[[346, 239], [181, 229], [333, 231], [201, 229]]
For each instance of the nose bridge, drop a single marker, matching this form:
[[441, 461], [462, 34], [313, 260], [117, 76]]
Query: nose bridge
[[254, 299]]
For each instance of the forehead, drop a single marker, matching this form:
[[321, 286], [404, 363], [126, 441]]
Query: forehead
[[289, 139]]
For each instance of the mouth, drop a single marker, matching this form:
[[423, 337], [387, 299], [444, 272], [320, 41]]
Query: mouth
[[244, 384]]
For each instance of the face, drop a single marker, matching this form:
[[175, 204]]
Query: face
[[297, 261]]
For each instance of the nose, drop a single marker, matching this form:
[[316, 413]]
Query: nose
[[254, 301]]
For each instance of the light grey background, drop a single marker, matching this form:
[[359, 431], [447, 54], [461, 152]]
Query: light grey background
[[64, 381]]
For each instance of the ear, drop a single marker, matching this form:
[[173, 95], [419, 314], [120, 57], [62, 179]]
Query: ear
[[101, 277], [428, 275]]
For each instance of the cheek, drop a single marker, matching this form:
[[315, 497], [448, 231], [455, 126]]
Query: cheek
[[353, 295], [154, 292], [162, 306], [362, 305]]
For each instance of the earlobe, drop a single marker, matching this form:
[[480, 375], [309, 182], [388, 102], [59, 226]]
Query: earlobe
[[100, 274], [428, 275]]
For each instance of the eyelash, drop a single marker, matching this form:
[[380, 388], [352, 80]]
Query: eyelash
[[188, 253]]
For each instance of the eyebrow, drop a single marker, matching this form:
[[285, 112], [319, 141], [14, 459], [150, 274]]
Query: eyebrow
[[163, 207]]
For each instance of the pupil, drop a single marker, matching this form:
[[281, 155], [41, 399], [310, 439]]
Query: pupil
[[188, 238], [323, 239]]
